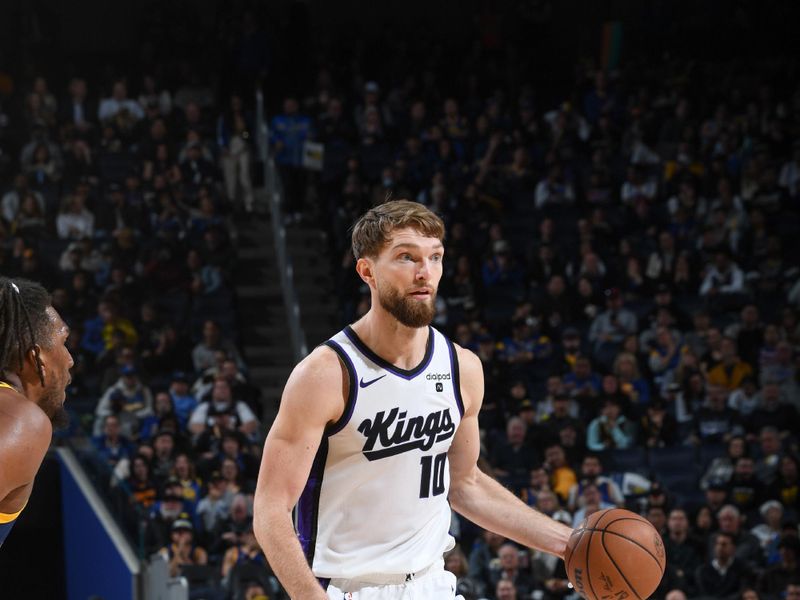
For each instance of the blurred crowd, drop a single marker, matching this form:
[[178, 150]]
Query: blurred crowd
[[620, 255], [621, 258], [122, 202]]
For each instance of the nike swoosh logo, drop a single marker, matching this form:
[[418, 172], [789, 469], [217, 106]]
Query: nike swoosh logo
[[364, 384]]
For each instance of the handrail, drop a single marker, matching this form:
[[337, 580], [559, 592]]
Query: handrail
[[274, 191]]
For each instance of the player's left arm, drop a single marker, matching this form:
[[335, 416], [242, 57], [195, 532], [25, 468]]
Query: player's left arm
[[480, 498]]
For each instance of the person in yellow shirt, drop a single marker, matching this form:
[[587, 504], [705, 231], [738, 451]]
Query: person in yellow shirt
[[562, 477], [731, 370]]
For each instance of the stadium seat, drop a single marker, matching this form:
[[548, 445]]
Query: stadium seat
[[679, 457], [631, 459], [709, 452], [201, 576]]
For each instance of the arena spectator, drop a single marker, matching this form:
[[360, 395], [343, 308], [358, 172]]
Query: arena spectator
[[610, 328], [215, 504], [786, 488], [183, 401], [182, 550], [562, 477], [165, 512], [769, 532], [721, 468], [746, 491], [456, 562], [685, 551], [118, 102], [289, 131], [611, 429], [778, 577], [140, 482], [227, 531], [129, 399], [204, 353], [110, 444], [731, 370], [716, 423], [508, 569], [592, 472], [747, 547], [724, 574], [590, 502], [222, 412]]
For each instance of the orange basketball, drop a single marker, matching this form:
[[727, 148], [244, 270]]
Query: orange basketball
[[615, 554]]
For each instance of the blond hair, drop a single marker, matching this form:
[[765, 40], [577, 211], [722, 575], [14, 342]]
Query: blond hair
[[375, 227]]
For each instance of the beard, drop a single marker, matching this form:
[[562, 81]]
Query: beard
[[411, 313], [53, 405]]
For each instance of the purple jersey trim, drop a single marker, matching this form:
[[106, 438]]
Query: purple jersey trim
[[308, 504], [456, 377], [352, 394], [385, 364]]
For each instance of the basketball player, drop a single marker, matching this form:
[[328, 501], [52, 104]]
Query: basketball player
[[377, 437], [34, 372]]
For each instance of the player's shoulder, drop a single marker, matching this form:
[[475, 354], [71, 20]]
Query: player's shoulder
[[322, 365], [18, 415], [468, 362], [25, 431], [316, 388]]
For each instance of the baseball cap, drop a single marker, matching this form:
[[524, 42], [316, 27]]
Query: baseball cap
[[717, 485], [769, 504], [180, 376], [526, 404], [182, 522], [127, 370], [570, 332]]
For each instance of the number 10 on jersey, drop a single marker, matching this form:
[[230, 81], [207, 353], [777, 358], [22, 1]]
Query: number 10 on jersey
[[432, 475]]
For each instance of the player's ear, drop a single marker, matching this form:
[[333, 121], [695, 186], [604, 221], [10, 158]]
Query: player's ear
[[364, 268], [36, 361]]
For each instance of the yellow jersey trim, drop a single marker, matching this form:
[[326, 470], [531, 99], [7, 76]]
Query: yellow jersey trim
[[3, 384], [5, 518]]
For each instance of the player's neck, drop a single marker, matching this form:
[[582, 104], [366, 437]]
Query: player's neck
[[402, 346], [13, 380]]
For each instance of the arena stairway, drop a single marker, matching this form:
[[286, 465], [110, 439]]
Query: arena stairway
[[263, 332], [310, 255]]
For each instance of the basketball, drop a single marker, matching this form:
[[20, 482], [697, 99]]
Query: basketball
[[615, 554]]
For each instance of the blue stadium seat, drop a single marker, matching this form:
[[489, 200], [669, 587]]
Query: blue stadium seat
[[680, 457], [631, 459], [709, 452]]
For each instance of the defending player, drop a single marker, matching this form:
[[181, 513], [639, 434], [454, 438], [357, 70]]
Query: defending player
[[377, 431], [34, 373]]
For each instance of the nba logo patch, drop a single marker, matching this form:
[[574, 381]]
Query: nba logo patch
[[439, 387]]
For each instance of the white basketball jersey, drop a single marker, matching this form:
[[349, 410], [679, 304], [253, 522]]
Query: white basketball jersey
[[376, 498]]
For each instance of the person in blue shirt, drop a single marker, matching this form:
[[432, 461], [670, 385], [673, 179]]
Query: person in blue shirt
[[111, 445], [289, 131], [182, 399], [582, 381]]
